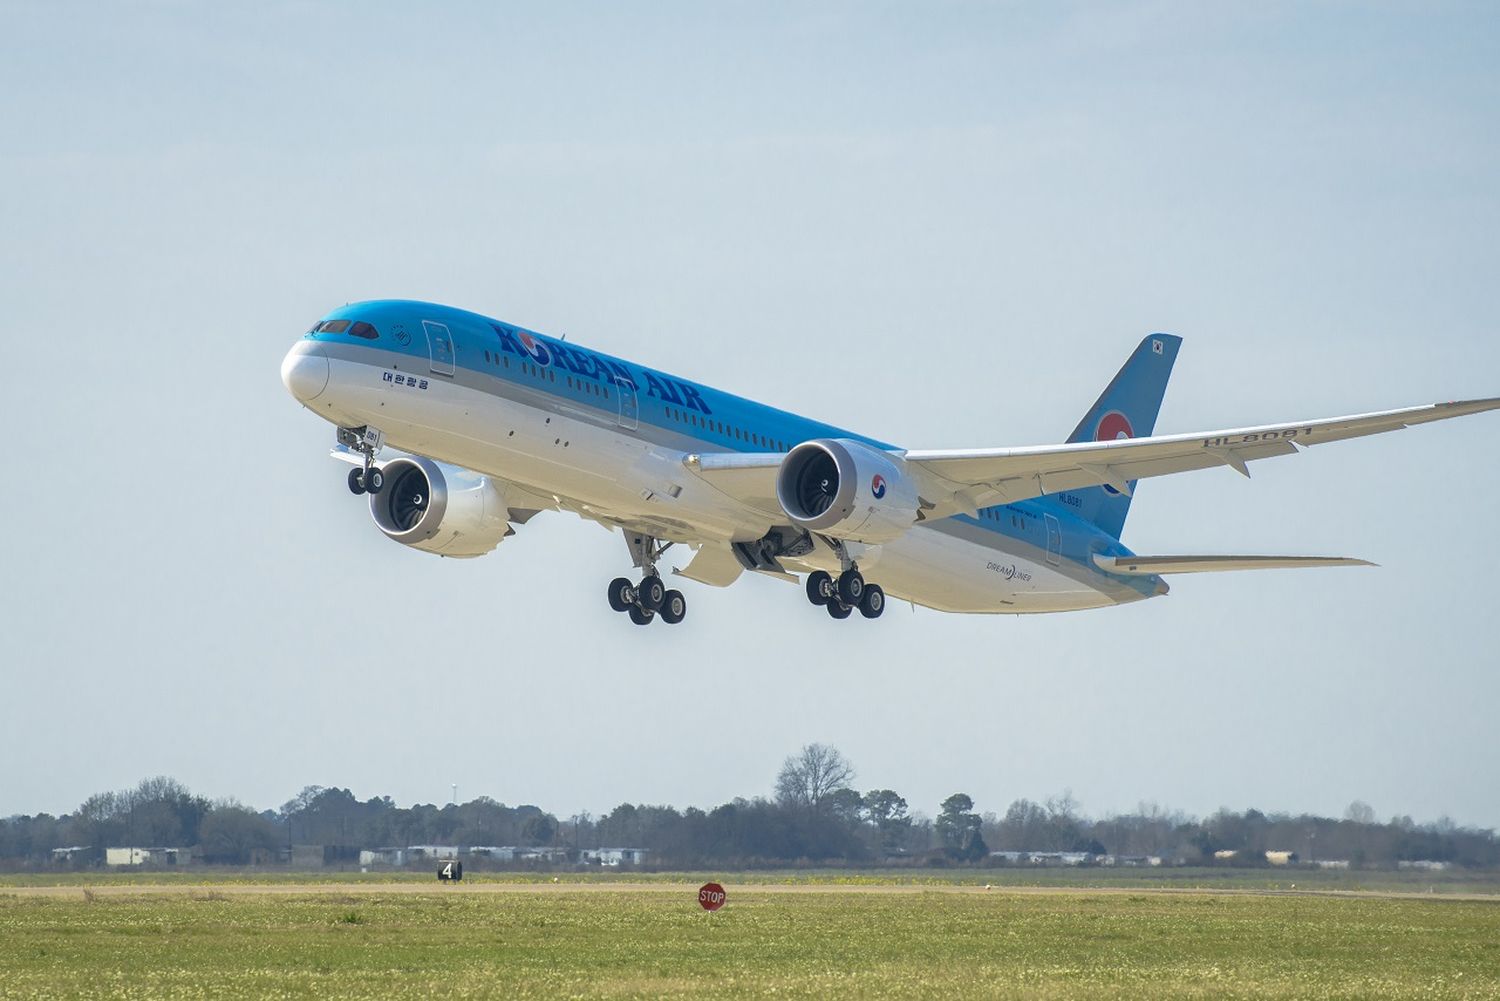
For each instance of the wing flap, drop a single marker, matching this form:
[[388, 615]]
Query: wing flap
[[1144, 566], [713, 564]]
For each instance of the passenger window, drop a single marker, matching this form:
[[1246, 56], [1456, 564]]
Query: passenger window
[[363, 329], [335, 326]]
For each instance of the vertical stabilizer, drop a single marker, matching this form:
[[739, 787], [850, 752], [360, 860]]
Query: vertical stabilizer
[[1126, 409]]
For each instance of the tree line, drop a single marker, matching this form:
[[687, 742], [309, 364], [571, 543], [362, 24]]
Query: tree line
[[815, 815]]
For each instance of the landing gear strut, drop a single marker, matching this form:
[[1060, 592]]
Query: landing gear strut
[[367, 441], [645, 600]]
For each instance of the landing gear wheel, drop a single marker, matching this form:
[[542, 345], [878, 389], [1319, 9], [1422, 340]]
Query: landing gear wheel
[[673, 608], [374, 480], [356, 481], [851, 587], [651, 593], [873, 603], [641, 616], [621, 594], [838, 610], [819, 587]]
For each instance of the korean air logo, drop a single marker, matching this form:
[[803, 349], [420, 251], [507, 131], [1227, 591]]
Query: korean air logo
[[877, 486], [1112, 427], [535, 348]]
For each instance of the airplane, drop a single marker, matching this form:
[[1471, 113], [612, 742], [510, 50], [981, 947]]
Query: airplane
[[493, 423]]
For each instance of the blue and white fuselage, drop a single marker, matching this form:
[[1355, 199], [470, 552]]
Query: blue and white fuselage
[[538, 424]]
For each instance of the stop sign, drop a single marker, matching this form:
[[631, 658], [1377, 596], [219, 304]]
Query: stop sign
[[711, 896]]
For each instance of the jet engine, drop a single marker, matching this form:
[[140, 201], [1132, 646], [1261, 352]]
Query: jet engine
[[439, 508], [847, 490]]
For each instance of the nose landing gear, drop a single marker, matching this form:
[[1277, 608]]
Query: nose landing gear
[[366, 441], [842, 595], [368, 480]]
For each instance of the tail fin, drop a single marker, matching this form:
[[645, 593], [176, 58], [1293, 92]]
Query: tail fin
[[1126, 409]]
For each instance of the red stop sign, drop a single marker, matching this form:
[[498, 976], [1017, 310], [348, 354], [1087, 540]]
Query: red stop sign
[[711, 896]]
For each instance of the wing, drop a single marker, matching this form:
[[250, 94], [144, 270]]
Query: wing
[[965, 481], [955, 482], [1145, 566]]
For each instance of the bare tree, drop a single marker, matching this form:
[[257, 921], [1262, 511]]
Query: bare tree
[[809, 778]]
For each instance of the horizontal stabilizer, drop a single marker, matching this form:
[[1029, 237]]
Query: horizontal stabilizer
[[1142, 566]]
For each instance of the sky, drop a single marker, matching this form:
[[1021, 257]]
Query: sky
[[942, 225]]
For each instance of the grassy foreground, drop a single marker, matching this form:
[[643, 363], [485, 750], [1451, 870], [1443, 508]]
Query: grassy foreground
[[569, 941]]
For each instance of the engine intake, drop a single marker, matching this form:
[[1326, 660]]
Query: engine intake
[[439, 508], [847, 490]]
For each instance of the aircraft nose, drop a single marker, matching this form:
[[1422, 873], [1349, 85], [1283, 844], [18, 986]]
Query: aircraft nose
[[305, 370]]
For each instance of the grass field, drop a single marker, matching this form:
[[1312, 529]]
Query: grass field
[[789, 939]]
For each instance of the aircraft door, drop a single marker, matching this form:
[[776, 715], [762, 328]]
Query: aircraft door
[[1054, 540], [630, 412], [440, 346]]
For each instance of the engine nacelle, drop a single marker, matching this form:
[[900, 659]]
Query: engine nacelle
[[439, 508], [847, 490]]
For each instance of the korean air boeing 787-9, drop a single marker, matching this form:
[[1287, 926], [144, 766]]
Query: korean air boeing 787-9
[[495, 423]]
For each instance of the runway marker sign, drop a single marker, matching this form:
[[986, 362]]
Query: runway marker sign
[[711, 896]]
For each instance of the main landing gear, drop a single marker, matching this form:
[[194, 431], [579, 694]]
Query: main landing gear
[[649, 598], [366, 441], [843, 594]]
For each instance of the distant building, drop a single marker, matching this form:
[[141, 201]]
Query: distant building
[[614, 856], [1424, 865], [77, 853], [383, 856], [496, 852], [1046, 858], [1332, 863], [305, 856], [1129, 860], [1225, 855], [419, 852], [1281, 858], [145, 856]]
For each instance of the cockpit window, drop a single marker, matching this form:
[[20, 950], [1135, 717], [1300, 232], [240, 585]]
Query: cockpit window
[[333, 326], [363, 329]]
